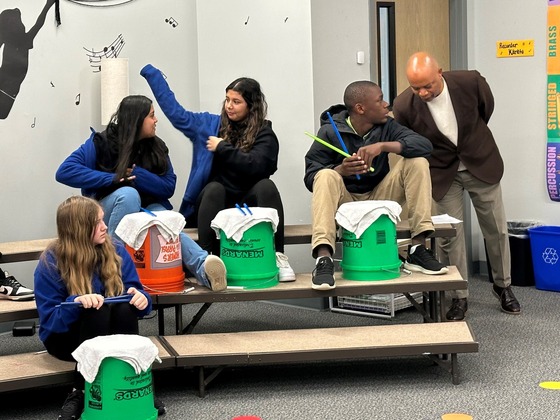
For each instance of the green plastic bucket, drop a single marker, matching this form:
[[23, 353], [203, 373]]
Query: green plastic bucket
[[251, 262], [119, 393], [375, 255]]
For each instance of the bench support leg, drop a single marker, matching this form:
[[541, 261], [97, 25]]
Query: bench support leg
[[161, 320], [420, 308], [451, 366], [188, 329], [203, 382]]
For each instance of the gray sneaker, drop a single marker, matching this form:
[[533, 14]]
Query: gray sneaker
[[215, 273]]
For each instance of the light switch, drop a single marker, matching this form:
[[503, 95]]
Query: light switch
[[360, 57]]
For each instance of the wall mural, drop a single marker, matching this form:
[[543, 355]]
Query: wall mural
[[100, 3], [15, 44]]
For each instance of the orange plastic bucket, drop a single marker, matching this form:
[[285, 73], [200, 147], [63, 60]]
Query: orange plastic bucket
[[158, 263]]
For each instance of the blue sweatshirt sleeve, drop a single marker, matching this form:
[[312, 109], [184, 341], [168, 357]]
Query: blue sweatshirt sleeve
[[78, 170], [161, 186], [51, 291], [196, 126]]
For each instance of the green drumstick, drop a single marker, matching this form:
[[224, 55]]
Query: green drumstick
[[330, 146]]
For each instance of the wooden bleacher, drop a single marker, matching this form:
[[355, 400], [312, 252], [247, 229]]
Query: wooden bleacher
[[29, 250], [29, 370], [432, 338], [217, 350]]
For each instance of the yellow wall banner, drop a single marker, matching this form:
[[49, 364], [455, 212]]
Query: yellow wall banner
[[553, 101]]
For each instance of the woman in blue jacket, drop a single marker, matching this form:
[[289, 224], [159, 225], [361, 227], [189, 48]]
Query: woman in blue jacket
[[127, 168], [235, 154], [84, 266]]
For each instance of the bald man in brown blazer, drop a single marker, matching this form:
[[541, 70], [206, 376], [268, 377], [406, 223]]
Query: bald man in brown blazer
[[452, 110]]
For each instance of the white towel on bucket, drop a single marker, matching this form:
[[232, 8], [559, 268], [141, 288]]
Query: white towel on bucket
[[234, 223], [134, 227], [357, 216], [139, 352]]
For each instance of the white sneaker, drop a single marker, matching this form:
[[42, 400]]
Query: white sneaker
[[215, 273], [12, 289], [286, 273]]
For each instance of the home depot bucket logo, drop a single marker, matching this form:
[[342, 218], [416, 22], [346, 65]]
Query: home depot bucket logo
[[168, 251]]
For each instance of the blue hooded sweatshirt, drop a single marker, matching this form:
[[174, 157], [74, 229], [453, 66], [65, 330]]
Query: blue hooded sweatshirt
[[197, 126]]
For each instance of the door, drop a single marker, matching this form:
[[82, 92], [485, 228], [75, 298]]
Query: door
[[414, 25]]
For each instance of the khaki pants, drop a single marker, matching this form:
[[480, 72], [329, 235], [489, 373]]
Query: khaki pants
[[489, 207], [407, 181]]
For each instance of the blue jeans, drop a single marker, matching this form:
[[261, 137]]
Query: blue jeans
[[126, 200]]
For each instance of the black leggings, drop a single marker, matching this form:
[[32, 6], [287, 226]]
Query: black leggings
[[116, 318], [215, 198]]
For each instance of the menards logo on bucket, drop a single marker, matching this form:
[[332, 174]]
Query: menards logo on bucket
[[233, 253]]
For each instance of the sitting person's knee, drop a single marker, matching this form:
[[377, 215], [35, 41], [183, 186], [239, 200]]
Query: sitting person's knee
[[326, 177], [417, 163]]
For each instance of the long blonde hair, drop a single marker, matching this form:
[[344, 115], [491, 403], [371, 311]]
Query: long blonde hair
[[77, 257]]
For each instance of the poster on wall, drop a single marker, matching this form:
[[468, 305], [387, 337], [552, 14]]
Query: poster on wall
[[553, 102]]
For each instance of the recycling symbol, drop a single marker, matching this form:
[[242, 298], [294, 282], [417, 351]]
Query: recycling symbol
[[550, 256]]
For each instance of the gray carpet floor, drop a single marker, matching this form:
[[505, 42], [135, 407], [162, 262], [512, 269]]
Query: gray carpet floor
[[500, 382]]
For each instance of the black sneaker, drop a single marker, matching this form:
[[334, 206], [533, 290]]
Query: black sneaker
[[73, 406], [159, 406], [323, 275], [12, 289], [422, 260]]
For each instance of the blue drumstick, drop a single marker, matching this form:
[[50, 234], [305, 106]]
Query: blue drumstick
[[240, 209], [114, 299], [148, 211], [339, 136], [247, 208]]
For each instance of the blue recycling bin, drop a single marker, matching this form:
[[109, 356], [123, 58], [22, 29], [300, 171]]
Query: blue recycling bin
[[545, 250]]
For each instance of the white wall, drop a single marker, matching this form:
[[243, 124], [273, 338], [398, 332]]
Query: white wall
[[519, 87], [269, 41], [339, 32]]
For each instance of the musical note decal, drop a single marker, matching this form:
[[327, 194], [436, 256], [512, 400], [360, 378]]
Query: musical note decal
[[78, 98], [247, 21], [172, 22], [112, 51], [33, 124]]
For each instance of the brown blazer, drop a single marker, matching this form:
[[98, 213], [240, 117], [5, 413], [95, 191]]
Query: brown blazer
[[473, 103]]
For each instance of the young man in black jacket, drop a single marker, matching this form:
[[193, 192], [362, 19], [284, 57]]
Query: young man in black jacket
[[369, 135]]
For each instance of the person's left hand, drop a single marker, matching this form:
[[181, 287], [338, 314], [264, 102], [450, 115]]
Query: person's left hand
[[212, 143], [139, 300], [369, 152]]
